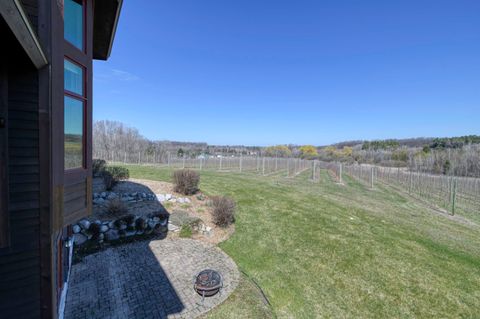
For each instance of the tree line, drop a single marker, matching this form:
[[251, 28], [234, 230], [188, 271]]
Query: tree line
[[116, 141]]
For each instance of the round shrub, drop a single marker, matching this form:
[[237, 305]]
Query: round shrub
[[98, 166]]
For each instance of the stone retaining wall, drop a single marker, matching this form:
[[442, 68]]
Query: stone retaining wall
[[123, 227]]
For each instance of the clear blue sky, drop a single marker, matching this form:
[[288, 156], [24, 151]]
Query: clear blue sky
[[262, 72]]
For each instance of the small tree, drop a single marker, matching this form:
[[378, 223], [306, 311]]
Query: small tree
[[308, 151]]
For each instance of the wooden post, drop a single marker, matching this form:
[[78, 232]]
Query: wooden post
[[313, 170], [276, 164], [183, 162], [288, 167], [201, 162], [263, 166], [241, 163], [371, 177], [454, 195], [340, 172], [220, 164]]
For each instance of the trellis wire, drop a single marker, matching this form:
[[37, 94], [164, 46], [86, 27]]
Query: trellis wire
[[451, 193]]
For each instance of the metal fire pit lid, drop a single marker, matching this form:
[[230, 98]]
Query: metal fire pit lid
[[208, 280]]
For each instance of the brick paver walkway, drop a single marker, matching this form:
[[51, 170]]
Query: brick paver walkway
[[147, 280]]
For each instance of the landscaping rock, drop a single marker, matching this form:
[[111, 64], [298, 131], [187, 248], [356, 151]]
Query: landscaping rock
[[161, 198], [79, 239], [85, 224], [173, 228], [104, 228], [112, 196], [76, 229], [99, 201], [112, 235]]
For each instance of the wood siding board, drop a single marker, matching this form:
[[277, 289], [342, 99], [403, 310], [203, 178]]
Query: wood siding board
[[20, 263], [75, 216], [4, 187]]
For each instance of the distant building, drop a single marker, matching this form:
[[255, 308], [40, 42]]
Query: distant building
[[46, 143]]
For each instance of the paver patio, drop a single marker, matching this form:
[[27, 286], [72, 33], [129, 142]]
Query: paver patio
[[150, 279]]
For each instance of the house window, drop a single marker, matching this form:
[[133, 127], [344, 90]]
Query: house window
[[74, 115], [73, 22], [73, 77]]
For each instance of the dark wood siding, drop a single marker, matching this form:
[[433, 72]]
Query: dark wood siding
[[75, 201], [20, 261]]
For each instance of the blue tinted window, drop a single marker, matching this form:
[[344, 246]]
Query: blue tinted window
[[73, 77], [73, 22], [73, 133]]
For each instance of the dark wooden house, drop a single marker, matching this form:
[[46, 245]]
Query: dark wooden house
[[47, 48]]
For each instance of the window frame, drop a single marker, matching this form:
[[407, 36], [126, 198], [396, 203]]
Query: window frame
[[84, 28], [82, 58], [83, 98]]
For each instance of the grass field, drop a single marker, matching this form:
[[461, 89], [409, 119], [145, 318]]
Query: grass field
[[343, 251]]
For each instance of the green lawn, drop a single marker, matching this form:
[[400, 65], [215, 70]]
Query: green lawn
[[343, 251]]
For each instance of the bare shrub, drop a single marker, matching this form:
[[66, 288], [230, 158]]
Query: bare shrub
[[116, 207], [186, 181], [223, 211]]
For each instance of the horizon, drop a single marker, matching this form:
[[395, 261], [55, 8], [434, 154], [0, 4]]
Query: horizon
[[319, 73], [297, 144]]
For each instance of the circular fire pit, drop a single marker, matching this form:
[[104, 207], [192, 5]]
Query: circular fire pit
[[208, 283]]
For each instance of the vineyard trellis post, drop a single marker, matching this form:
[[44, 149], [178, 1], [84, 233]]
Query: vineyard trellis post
[[340, 172], [410, 187], [372, 173], [288, 167], [263, 166], [314, 164], [453, 194], [241, 163]]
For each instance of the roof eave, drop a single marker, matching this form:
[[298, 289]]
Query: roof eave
[[101, 51], [16, 18]]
